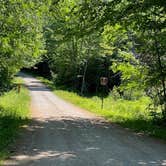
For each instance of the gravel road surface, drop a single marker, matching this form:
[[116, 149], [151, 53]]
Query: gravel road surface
[[62, 134]]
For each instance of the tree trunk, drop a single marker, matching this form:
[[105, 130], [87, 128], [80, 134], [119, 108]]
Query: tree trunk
[[162, 78], [83, 79]]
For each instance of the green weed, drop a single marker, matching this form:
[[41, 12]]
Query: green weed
[[130, 114], [14, 112]]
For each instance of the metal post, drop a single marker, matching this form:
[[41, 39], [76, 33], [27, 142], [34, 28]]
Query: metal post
[[103, 82]]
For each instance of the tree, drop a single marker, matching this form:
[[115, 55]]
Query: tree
[[69, 48], [147, 20], [144, 21], [21, 39]]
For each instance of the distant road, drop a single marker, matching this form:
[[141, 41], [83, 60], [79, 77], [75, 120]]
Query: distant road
[[62, 134]]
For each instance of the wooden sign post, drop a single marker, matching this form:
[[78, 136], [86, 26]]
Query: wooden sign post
[[18, 88], [103, 82]]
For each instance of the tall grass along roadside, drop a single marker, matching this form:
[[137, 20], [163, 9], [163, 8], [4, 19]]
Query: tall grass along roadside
[[14, 113], [131, 114]]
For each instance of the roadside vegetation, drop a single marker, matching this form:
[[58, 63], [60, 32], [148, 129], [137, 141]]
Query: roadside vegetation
[[75, 43], [123, 41], [133, 114], [14, 113]]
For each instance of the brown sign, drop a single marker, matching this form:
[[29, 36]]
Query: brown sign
[[104, 81]]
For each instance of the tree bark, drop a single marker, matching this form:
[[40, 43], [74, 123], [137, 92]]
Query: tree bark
[[162, 76]]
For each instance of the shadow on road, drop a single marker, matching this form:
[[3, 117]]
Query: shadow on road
[[71, 141], [37, 88]]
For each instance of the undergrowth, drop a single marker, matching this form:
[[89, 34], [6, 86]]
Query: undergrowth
[[14, 113]]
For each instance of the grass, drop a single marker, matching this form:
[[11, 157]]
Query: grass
[[14, 113], [129, 114]]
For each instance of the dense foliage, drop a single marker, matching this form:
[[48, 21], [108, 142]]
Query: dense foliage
[[21, 42]]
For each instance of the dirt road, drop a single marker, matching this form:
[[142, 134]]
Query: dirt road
[[63, 135]]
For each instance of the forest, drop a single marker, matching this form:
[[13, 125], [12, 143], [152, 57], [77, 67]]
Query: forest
[[76, 42]]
